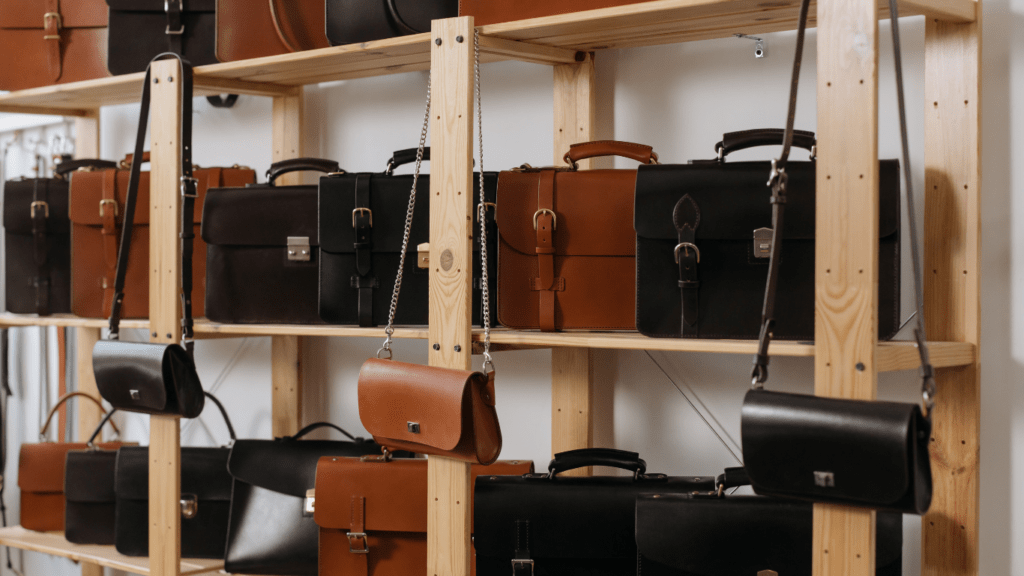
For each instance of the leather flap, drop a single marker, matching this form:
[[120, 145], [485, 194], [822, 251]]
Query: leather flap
[[733, 199], [593, 208], [28, 14], [204, 472], [395, 492], [393, 395], [89, 476], [260, 215], [285, 465], [158, 5], [18, 195], [41, 466]]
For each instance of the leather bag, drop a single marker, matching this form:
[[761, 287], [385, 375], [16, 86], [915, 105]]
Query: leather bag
[[41, 474], [492, 12], [271, 528], [354, 21], [372, 513], [256, 28], [88, 478], [44, 42], [546, 524], [566, 257], [361, 244], [703, 237], [263, 249], [205, 498], [37, 241], [142, 29], [833, 450]]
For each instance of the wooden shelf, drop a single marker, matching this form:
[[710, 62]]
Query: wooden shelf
[[64, 320], [54, 544]]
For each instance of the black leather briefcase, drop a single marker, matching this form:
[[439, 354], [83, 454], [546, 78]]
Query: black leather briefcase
[[37, 240], [547, 525], [141, 29], [89, 501], [362, 216], [352, 21], [263, 249], [271, 528], [704, 237]]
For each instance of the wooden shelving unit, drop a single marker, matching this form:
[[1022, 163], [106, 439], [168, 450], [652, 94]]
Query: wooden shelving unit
[[845, 268]]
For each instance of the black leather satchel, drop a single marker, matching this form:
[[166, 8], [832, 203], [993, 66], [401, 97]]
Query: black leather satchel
[[852, 452], [141, 29], [37, 240], [353, 21], [702, 245], [263, 249], [89, 501], [205, 498], [361, 231], [143, 377], [546, 524], [271, 529], [714, 534]]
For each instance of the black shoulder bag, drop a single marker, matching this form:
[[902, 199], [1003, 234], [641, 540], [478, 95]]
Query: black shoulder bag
[[145, 377], [851, 452]]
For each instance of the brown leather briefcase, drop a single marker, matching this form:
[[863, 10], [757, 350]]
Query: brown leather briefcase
[[492, 11], [373, 514], [566, 250], [255, 28], [45, 42], [97, 200]]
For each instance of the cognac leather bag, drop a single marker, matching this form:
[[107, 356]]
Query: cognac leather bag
[[551, 524], [41, 474], [89, 491], [271, 528], [361, 243], [44, 42], [263, 250], [37, 241], [492, 11], [703, 238], [252, 29], [372, 513], [566, 258], [353, 21], [142, 29]]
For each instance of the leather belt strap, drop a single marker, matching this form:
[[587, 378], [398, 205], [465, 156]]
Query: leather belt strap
[[686, 218], [362, 224], [175, 27], [545, 220], [358, 543], [522, 564], [40, 213], [52, 24], [109, 212]]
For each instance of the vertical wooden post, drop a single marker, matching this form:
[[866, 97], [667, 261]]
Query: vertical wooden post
[[451, 236], [286, 376], [846, 251], [952, 257], [287, 131], [87, 135], [575, 107], [164, 311]]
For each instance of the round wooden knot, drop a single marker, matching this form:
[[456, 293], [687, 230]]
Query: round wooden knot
[[447, 259]]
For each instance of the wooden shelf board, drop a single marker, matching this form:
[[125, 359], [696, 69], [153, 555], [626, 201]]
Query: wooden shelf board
[[54, 544], [65, 320]]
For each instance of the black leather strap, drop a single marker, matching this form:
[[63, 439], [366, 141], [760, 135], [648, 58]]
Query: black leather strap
[[583, 457], [175, 27], [278, 169], [407, 156], [317, 426], [99, 427], [735, 141], [399, 22], [68, 166], [222, 102], [224, 413], [522, 564], [40, 213], [686, 218], [362, 223]]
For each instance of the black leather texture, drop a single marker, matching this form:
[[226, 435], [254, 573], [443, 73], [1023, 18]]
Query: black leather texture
[[736, 141], [138, 32], [871, 454], [352, 21], [267, 531], [717, 206], [711, 536], [37, 246], [147, 378], [90, 502]]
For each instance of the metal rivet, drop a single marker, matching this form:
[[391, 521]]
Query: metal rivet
[[170, 78], [458, 348], [438, 41], [860, 366], [437, 346], [169, 335], [458, 39], [154, 334]]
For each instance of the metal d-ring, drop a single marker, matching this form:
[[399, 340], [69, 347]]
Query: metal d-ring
[[687, 245], [554, 218]]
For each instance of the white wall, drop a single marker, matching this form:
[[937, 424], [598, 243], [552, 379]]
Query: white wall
[[680, 99]]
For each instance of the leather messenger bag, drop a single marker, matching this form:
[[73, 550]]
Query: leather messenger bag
[[248, 29], [142, 29], [89, 491], [566, 254], [352, 21], [492, 12]]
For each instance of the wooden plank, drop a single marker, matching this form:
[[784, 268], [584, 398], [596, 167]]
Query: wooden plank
[[527, 52], [287, 131], [575, 106], [89, 415], [451, 257], [572, 397], [952, 260], [44, 110], [87, 135], [286, 375], [66, 320]]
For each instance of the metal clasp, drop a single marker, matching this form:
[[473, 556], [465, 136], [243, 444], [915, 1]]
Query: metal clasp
[[298, 248], [487, 205], [309, 504], [167, 10], [763, 243], [108, 201], [37, 204], [352, 536], [185, 181], [554, 218], [686, 246], [189, 506], [60, 24], [518, 563], [423, 255], [360, 211]]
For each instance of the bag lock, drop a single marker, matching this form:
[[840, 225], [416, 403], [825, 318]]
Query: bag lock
[[763, 243], [298, 248], [309, 503], [189, 506]]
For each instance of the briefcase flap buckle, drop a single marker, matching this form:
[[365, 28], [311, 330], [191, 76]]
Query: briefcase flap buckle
[[189, 506], [519, 564], [763, 243], [309, 503], [353, 543], [298, 249]]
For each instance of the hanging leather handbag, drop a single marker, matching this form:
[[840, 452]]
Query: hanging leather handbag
[[37, 240], [361, 244], [89, 490], [142, 29], [351, 22], [41, 474], [548, 524], [205, 498], [263, 249], [271, 528], [713, 533], [491, 12], [248, 29], [842, 451], [44, 42], [372, 513]]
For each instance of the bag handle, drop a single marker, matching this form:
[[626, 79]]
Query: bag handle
[[583, 457], [403, 26], [61, 401], [317, 426], [224, 413], [278, 169], [279, 28], [407, 156], [68, 166], [736, 141], [221, 101], [91, 443], [584, 150]]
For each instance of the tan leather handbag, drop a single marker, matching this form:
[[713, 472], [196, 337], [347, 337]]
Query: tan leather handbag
[[256, 28], [372, 513], [96, 206], [494, 11], [566, 249]]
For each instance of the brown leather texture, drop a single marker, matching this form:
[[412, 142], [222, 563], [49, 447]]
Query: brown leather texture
[[494, 11], [452, 410], [40, 51], [639, 152], [388, 502], [41, 480], [96, 237], [246, 28]]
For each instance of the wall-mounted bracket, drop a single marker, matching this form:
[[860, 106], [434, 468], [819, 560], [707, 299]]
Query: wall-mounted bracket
[[760, 47]]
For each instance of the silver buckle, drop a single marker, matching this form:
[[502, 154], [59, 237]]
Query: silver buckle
[[37, 204], [763, 243], [184, 185], [554, 218], [298, 249], [686, 246], [359, 211], [518, 563], [353, 536], [189, 506]]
